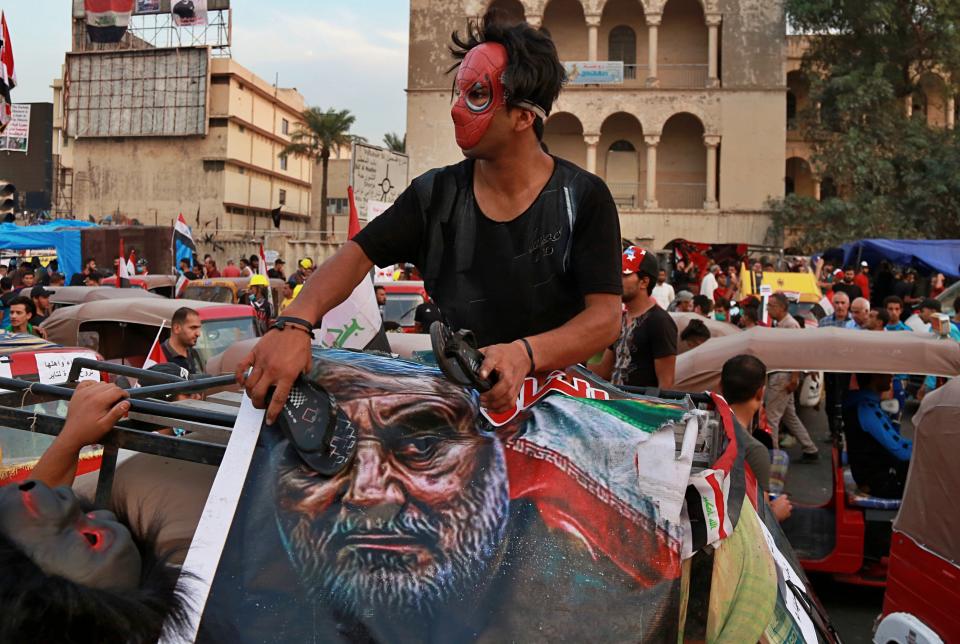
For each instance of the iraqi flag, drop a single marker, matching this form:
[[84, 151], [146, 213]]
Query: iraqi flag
[[262, 267], [356, 323], [183, 245], [107, 20], [156, 355], [8, 75]]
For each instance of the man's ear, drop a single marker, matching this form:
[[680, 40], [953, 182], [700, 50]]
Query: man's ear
[[523, 119], [760, 394]]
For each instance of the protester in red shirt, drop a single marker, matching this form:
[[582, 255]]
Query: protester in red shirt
[[231, 269], [862, 279], [211, 267]]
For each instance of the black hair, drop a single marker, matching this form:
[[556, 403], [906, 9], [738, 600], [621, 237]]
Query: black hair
[[6, 283], [378, 287], [534, 72], [696, 329], [849, 268], [751, 312], [254, 259], [38, 607], [883, 316], [892, 299], [88, 260], [780, 299], [180, 315], [741, 378], [26, 301], [704, 302]]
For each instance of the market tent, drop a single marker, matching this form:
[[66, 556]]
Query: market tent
[[63, 235], [927, 255]]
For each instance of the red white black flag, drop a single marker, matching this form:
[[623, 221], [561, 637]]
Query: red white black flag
[[107, 20], [8, 76]]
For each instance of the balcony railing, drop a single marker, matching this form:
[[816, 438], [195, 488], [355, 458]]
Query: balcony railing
[[670, 195], [628, 195], [681, 196], [682, 76]]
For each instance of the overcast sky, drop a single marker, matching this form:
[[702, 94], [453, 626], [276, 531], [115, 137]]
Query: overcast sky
[[346, 54]]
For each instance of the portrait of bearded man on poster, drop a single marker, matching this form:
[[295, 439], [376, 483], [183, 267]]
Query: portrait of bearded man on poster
[[429, 534]]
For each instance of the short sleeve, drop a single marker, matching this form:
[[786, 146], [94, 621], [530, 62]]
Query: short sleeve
[[595, 257], [664, 336], [395, 237]]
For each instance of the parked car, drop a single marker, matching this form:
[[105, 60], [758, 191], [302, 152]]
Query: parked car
[[403, 298], [124, 330]]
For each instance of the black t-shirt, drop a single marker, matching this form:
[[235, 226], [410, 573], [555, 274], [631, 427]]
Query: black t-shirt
[[191, 362], [528, 275], [646, 338], [852, 290]]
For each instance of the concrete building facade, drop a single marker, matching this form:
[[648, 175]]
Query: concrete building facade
[[690, 144], [234, 174]]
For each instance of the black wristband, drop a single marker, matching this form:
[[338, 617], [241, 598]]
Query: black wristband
[[533, 364], [279, 322]]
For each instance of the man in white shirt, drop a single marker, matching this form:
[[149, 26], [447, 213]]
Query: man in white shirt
[[709, 283], [663, 292]]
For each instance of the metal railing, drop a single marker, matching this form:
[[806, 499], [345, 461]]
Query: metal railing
[[627, 195], [682, 76], [635, 74], [681, 196]]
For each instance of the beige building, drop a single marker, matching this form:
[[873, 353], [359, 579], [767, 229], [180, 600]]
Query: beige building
[[932, 101], [690, 143]]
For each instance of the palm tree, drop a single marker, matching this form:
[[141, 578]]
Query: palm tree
[[321, 133], [394, 143]]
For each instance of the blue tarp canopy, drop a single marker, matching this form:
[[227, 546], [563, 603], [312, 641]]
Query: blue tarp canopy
[[63, 235], [926, 255]]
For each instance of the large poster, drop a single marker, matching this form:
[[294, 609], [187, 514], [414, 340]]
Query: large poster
[[189, 13], [378, 176], [16, 137], [561, 523]]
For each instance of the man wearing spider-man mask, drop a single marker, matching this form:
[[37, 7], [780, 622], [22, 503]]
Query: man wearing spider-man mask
[[519, 246]]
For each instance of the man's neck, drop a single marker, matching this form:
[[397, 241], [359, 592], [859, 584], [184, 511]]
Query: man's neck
[[513, 172], [640, 304], [178, 348], [21, 329], [744, 413]]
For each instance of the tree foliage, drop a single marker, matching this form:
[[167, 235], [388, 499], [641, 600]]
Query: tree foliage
[[896, 175], [395, 142], [321, 134]]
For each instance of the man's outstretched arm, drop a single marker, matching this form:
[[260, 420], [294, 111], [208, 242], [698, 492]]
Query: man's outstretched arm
[[281, 356], [594, 329]]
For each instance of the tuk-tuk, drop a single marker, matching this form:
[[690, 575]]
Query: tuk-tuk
[[229, 290], [922, 593], [162, 285], [848, 535], [73, 295], [801, 289], [124, 330]]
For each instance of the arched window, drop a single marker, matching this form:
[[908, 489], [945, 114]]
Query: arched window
[[791, 110], [622, 45], [828, 189], [622, 146], [789, 186]]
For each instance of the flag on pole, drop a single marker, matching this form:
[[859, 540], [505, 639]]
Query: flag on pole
[[132, 264], [262, 269], [8, 76], [184, 248], [354, 226], [356, 323], [156, 355], [107, 20], [123, 271]]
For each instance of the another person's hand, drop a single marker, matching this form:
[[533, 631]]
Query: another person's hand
[[276, 361], [94, 409], [511, 364], [782, 508]]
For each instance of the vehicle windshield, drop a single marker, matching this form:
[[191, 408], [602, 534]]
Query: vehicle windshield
[[20, 449], [401, 307], [217, 335], [222, 294], [947, 298]]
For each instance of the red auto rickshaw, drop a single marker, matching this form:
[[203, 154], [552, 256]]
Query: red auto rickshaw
[[923, 593]]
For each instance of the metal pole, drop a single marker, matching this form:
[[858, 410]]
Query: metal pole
[[118, 370], [182, 386], [165, 410]]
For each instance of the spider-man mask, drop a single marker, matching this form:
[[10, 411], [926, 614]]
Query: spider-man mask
[[480, 92]]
